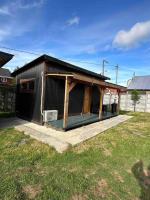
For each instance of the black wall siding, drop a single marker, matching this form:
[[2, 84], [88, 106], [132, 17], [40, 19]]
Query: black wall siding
[[76, 99], [54, 95], [54, 99], [28, 105]]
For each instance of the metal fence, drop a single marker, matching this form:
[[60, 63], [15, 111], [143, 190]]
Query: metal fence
[[7, 99]]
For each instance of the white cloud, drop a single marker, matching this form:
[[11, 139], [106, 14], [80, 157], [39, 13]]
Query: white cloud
[[4, 10], [73, 21], [32, 4], [8, 9], [4, 33], [138, 33]]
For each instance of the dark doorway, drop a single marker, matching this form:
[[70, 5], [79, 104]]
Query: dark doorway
[[25, 98], [95, 100]]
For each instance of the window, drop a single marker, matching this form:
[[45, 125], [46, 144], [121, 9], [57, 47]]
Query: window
[[3, 80], [27, 85]]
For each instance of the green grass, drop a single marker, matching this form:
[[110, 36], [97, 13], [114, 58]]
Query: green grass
[[96, 169], [6, 114]]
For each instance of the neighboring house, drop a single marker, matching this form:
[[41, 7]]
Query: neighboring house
[[7, 90], [142, 84], [61, 94], [5, 75]]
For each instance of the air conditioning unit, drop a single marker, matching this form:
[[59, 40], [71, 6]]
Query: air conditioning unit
[[50, 115]]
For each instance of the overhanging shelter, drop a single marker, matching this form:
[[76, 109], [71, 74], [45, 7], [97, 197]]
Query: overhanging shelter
[[72, 79], [5, 58], [51, 84]]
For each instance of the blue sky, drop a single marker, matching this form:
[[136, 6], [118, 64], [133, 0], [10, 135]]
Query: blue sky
[[87, 31]]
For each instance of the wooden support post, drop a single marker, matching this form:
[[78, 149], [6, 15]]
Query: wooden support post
[[66, 103], [118, 106], [87, 100], [101, 90]]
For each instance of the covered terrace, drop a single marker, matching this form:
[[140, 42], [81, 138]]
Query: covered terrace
[[90, 112]]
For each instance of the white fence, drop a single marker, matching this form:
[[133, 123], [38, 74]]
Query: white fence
[[109, 99], [142, 106]]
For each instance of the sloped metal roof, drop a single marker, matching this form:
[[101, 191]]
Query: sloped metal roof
[[4, 58], [67, 65], [140, 83]]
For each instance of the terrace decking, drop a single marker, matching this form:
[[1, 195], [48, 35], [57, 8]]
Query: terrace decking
[[79, 120]]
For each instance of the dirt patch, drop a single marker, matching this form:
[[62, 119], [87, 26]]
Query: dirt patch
[[129, 171], [100, 189], [32, 190], [81, 148], [107, 152], [113, 144], [118, 177], [79, 197]]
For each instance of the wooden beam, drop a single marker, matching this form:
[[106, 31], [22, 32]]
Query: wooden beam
[[60, 74], [87, 79], [118, 106], [87, 99], [72, 85], [66, 102], [101, 90], [96, 81]]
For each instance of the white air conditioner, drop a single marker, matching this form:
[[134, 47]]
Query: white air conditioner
[[50, 115]]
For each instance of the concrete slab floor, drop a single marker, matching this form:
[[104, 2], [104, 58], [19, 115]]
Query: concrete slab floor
[[62, 140]]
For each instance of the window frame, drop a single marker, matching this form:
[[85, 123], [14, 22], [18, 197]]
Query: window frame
[[27, 82]]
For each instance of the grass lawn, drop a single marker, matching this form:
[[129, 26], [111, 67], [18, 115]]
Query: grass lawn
[[96, 169], [6, 114]]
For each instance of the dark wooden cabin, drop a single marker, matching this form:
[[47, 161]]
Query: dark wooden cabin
[[47, 83]]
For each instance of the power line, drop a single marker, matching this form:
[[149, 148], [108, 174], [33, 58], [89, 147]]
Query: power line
[[37, 54], [71, 60], [22, 51]]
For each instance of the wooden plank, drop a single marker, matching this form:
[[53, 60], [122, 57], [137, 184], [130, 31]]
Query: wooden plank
[[44, 88], [87, 99], [72, 85], [60, 74], [101, 90], [87, 79], [118, 106], [96, 81], [66, 103]]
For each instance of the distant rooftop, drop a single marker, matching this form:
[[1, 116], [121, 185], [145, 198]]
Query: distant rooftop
[[140, 83], [5, 72]]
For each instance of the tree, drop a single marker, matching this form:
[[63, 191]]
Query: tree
[[16, 68], [135, 97]]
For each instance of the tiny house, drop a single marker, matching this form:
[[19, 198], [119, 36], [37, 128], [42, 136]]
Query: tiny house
[[63, 95]]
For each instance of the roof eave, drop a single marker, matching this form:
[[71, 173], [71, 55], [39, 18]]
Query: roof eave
[[47, 58], [5, 58]]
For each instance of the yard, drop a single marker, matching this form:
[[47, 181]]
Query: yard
[[97, 169]]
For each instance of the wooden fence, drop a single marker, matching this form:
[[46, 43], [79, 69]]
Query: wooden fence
[[7, 99]]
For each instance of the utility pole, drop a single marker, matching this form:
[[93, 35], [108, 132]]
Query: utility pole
[[117, 68], [103, 66]]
